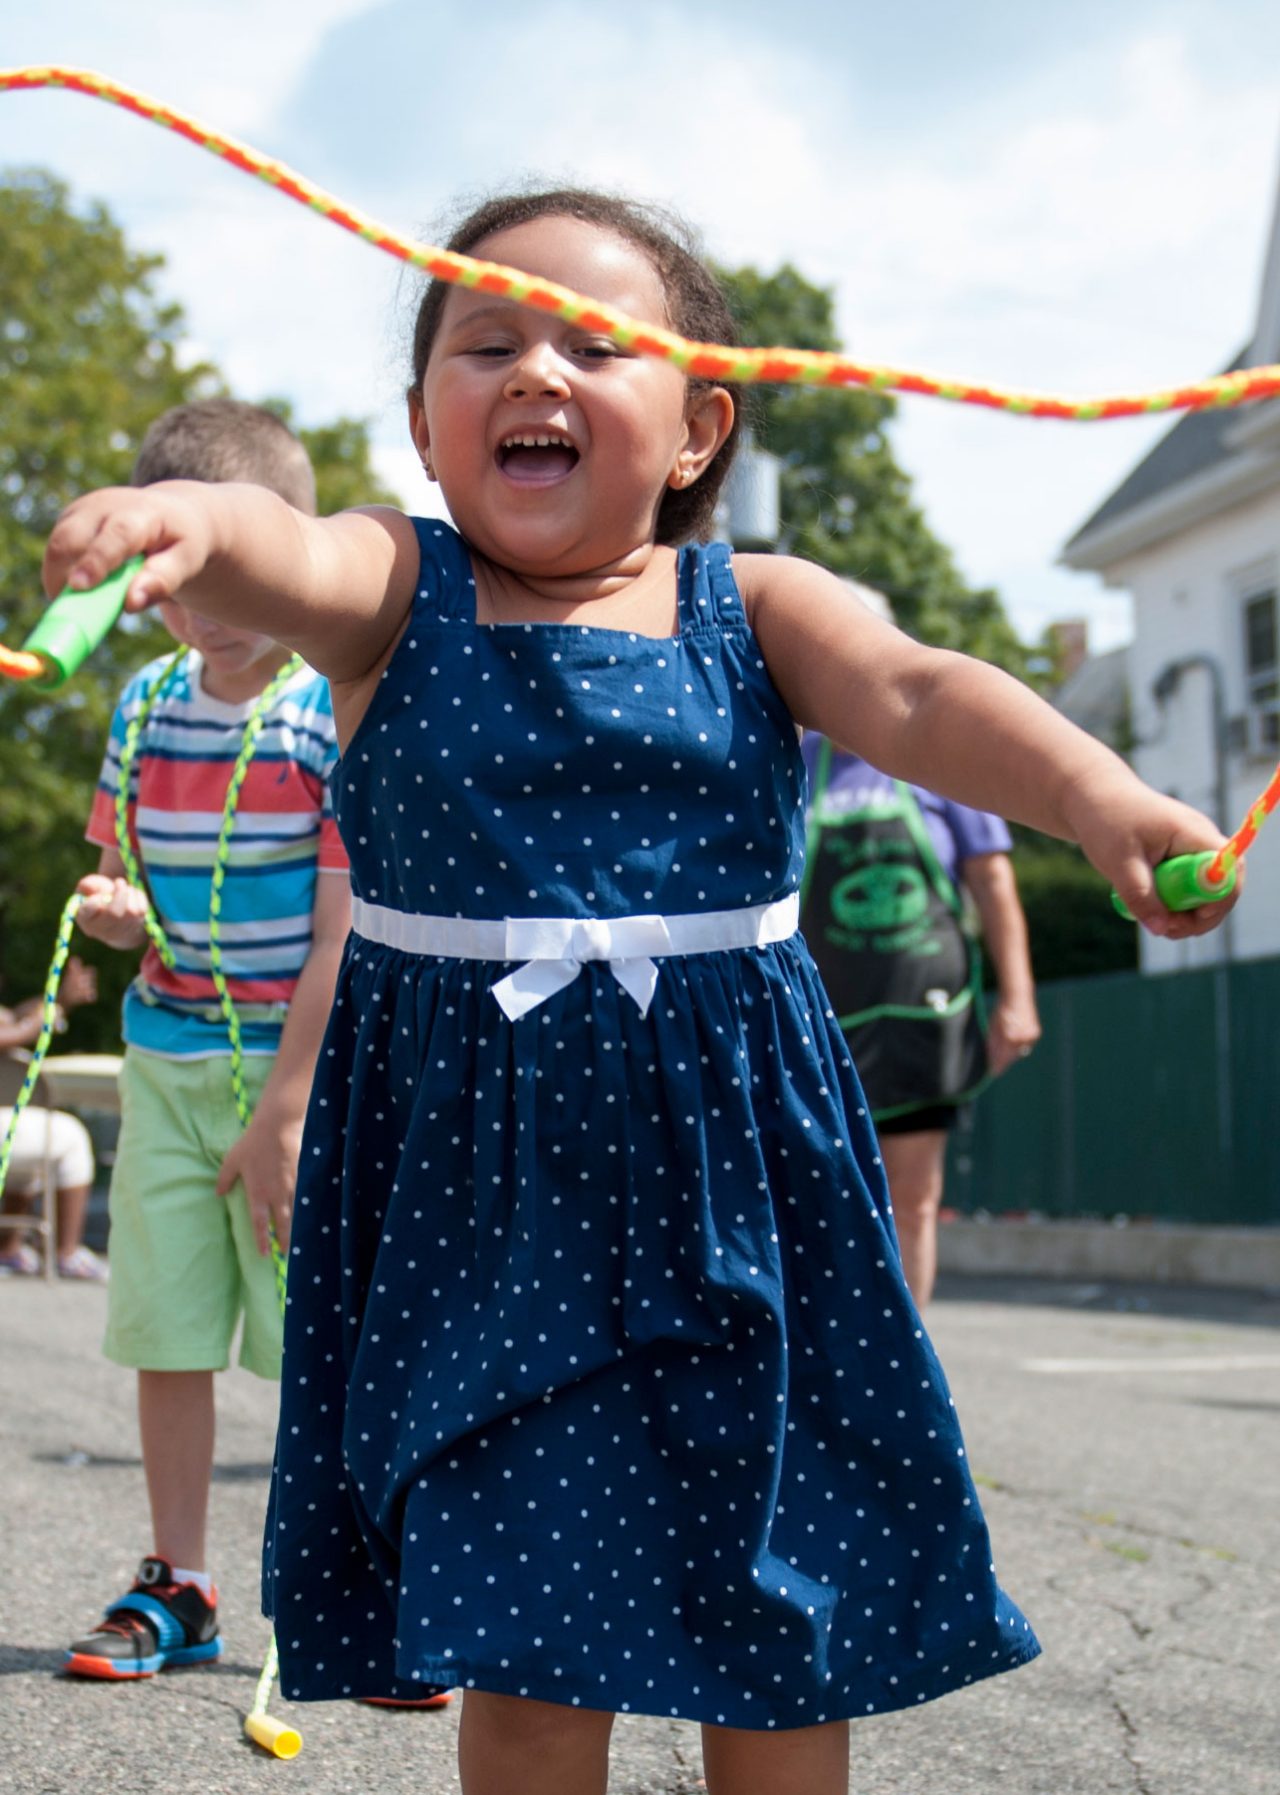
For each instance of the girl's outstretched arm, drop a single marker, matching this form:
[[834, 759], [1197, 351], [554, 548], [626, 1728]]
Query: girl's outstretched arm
[[336, 589], [967, 730]]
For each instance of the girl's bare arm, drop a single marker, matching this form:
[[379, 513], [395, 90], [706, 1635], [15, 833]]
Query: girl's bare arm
[[335, 589], [966, 729]]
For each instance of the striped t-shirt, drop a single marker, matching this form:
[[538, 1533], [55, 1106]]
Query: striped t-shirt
[[284, 833]]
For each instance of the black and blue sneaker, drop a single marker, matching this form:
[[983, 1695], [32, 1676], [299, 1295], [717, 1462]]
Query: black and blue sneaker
[[157, 1624]]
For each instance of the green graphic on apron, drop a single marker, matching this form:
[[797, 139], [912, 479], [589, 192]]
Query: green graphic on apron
[[885, 925], [879, 897]]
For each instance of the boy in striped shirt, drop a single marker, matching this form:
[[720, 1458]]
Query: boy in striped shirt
[[194, 1196]]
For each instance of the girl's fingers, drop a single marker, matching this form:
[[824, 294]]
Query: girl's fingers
[[161, 576], [1135, 884], [90, 540], [98, 534], [1199, 921]]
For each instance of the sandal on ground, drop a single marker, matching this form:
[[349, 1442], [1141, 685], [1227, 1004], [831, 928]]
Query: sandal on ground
[[83, 1266], [158, 1624], [21, 1261]]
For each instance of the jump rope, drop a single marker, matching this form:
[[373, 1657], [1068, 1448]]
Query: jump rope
[[76, 622], [711, 361]]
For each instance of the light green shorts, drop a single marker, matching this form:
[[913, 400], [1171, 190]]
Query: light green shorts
[[184, 1263]]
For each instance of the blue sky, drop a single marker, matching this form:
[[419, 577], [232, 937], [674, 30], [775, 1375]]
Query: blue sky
[[1069, 196]]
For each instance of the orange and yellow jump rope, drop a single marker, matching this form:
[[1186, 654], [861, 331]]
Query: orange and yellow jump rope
[[714, 361]]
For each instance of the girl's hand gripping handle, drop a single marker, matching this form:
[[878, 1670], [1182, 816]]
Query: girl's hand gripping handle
[[1183, 884], [74, 625]]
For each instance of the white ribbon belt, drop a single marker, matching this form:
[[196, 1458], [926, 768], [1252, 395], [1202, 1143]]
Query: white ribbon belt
[[553, 949]]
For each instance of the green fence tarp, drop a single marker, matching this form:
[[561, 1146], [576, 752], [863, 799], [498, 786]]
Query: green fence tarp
[[1156, 1096]]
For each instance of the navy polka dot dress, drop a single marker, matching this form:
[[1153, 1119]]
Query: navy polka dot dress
[[602, 1384]]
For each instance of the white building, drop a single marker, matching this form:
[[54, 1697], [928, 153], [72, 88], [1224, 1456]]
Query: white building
[[1194, 534]]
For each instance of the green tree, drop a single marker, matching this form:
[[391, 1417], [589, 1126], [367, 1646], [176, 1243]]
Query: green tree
[[846, 503], [342, 457], [90, 354]]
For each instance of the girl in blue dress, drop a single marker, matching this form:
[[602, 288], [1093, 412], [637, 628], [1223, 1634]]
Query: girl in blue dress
[[603, 1390]]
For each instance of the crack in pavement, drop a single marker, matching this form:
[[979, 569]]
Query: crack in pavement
[[1129, 1739]]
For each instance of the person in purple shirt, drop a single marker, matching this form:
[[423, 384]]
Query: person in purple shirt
[[892, 873]]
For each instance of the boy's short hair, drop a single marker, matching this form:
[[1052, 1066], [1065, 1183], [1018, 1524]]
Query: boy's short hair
[[225, 439]]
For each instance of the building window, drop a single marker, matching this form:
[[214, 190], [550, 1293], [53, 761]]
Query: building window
[[1261, 673]]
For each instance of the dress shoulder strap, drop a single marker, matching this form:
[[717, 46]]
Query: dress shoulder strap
[[446, 585], [709, 595]]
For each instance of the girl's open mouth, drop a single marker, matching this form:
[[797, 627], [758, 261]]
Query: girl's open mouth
[[537, 457]]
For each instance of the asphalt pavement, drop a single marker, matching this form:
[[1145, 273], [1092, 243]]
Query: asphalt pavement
[[1125, 1440]]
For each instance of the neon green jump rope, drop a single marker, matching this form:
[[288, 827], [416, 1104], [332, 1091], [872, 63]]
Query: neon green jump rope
[[281, 1740]]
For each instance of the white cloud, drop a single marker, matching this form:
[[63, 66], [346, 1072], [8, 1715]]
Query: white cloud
[[1071, 228], [101, 149], [234, 59], [1115, 245]]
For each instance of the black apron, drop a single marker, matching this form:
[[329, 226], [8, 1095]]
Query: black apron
[[885, 926]]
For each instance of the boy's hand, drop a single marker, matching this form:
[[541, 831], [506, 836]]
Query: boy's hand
[[79, 983], [112, 911], [169, 524], [265, 1161]]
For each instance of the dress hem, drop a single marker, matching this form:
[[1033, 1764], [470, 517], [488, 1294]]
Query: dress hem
[[572, 1691]]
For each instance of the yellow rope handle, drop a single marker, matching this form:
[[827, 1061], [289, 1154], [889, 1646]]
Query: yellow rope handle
[[275, 1736], [713, 361]]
